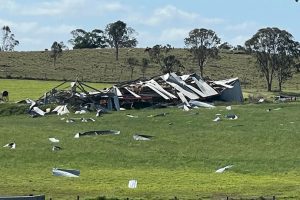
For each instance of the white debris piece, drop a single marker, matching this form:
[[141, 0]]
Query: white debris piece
[[54, 140], [61, 110], [11, 145], [132, 184], [80, 112], [228, 108], [261, 100], [38, 111], [65, 172], [131, 116], [221, 170], [217, 119]]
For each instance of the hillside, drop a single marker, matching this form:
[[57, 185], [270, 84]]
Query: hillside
[[99, 65]]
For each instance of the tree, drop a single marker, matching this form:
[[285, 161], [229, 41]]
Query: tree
[[83, 39], [119, 36], [288, 51], [8, 40], [145, 65], [160, 55], [226, 46], [203, 45], [274, 50], [56, 51], [132, 62]]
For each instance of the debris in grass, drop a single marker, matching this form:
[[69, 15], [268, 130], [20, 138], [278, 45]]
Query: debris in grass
[[65, 172], [54, 140], [159, 115], [221, 170], [217, 119], [11, 145], [56, 148], [231, 116], [132, 184], [94, 133], [132, 116], [228, 107], [142, 137]]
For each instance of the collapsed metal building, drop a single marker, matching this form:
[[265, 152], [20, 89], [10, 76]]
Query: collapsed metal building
[[167, 89], [174, 89]]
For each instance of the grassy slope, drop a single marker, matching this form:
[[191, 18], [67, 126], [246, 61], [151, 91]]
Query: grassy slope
[[99, 65], [180, 160]]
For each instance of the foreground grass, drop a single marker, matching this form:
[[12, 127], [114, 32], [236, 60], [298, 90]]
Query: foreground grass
[[180, 161]]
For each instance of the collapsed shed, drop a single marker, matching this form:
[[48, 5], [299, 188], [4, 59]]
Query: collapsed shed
[[171, 88], [168, 89]]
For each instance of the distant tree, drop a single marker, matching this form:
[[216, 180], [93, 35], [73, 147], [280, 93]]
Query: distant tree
[[145, 65], [275, 51], [132, 62], [160, 55], [203, 45], [119, 36], [288, 52], [239, 48], [8, 40], [171, 64], [90, 40], [56, 51], [226, 46]]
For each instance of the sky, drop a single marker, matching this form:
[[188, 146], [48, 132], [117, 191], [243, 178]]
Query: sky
[[38, 23]]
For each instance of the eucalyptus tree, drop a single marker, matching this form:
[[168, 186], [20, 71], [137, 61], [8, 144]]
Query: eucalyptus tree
[[161, 55], [8, 40], [202, 43], [275, 52], [84, 39], [119, 36]]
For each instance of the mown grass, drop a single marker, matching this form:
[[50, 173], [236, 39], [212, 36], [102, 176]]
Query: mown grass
[[34, 89], [99, 65], [180, 160]]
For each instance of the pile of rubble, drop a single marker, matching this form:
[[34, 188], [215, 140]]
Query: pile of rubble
[[169, 89], [174, 89]]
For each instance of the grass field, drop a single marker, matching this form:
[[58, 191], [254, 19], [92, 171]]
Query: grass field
[[180, 160]]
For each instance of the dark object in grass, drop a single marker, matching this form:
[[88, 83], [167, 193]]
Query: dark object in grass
[[56, 148], [94, 133], [231, 116]]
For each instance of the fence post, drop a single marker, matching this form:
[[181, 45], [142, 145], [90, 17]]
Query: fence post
[[77, 197], [273, 197], [227, 198]]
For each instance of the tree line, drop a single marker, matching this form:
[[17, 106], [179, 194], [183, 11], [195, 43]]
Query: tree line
[[276, 52]]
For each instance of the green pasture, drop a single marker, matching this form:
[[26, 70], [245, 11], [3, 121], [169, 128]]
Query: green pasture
[[33, 89], [180, 160]]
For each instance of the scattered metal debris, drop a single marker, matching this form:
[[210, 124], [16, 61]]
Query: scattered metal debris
[[132, 116], [142, 137], [132, 184], [231, 116], [65, 172], [54, 140], [94, 133], [11, 145], [56, 148], [221, 170]]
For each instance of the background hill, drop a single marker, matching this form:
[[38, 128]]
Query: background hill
[[99, 65]]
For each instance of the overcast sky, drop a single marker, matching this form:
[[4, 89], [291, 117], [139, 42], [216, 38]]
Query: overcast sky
[[37, 23]]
